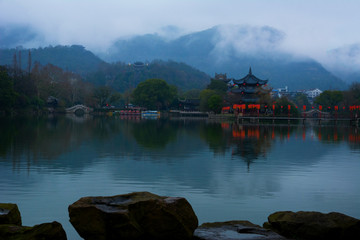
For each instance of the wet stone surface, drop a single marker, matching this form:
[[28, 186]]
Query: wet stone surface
[[234, 230]]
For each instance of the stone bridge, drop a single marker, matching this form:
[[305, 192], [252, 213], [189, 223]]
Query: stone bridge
[[79, 109]]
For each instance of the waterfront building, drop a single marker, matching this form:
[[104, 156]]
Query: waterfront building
[[313, 93], [245, 90]]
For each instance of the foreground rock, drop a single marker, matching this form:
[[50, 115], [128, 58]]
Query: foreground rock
[[9, 214], [234, 230], [45, 231], [11, 228], [139, 215], [314, 225]]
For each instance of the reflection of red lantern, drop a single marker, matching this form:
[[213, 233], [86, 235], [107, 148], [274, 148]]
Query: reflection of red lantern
[[273, 107], [336, 108], [289, 107], [281, 106]]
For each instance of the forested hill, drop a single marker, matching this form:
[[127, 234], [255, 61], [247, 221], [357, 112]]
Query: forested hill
[[119, 76], [123, 76], [73, 58], [231, 50]]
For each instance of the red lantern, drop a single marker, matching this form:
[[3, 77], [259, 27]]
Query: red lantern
[[289, 107], [304, 107], [320, 107], [336, 108]]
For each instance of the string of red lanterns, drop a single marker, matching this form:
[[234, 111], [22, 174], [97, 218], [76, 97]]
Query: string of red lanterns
[[258, 107]]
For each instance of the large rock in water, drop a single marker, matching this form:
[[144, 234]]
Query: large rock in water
[[234, 230], [139, 215], [314, 225], [9, 214], [45, 231], [11, 228]]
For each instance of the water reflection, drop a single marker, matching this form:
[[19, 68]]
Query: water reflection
[[226, 170], [154, 134], [34, 139]]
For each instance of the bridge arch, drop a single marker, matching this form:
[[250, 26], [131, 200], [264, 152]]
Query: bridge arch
[[80, 108]]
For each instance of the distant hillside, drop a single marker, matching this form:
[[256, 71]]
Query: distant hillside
[[231, 50], [345, 62], [119, 75], [73, 58], [19, 35], [122, 76]]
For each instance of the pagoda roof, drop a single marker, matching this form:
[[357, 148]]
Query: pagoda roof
[[250, 79]]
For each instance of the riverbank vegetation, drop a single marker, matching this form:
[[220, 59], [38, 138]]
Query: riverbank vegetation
[[40, 88]]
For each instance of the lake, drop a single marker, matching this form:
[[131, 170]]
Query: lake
[[225, 170]]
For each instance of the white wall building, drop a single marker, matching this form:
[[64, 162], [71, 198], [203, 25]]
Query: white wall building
[[312, 93]]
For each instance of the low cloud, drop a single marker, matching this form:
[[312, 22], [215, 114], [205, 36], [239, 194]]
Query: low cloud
[[346, 58], [250, 40]]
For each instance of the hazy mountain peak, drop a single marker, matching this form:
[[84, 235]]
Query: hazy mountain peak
[[248, 39], [12, 36], [346, 57]]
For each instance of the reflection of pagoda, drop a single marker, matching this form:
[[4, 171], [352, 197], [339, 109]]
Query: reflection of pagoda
[[248, 88]]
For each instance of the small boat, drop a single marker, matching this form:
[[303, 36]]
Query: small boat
[[150, 114]]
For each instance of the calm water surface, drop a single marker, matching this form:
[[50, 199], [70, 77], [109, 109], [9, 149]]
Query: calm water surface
[[226, 171]]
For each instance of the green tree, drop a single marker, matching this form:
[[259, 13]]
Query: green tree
[[354, 93], [191, 94], [7, 93], [281, 107], [215, 103], [153, 94], [219, 86], [301, 100], [329, 98], [205, 96], [116, 98], [102, 95]]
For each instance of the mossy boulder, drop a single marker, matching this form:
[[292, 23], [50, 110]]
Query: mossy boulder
[[9, 214], [314, 225], [139, 215], [45, 231], [233, 230]]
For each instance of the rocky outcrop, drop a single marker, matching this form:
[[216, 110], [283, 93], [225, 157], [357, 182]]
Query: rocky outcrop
[[11, 228], [314, 225], [234, 230], [45, 231], [9, 214], [139, 215]]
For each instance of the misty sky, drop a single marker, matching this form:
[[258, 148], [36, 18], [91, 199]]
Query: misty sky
[[311, 27]]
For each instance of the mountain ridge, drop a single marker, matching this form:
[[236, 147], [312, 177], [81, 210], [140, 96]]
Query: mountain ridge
[[215, 50], [221, 49]]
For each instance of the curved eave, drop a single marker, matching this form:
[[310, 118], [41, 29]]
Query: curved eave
[[251, 81]]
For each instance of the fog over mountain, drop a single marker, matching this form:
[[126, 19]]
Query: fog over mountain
[[230, 49], [345, 62], [296, 43]]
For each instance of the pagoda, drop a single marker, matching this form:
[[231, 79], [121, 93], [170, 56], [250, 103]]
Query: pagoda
[[247, 89]]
